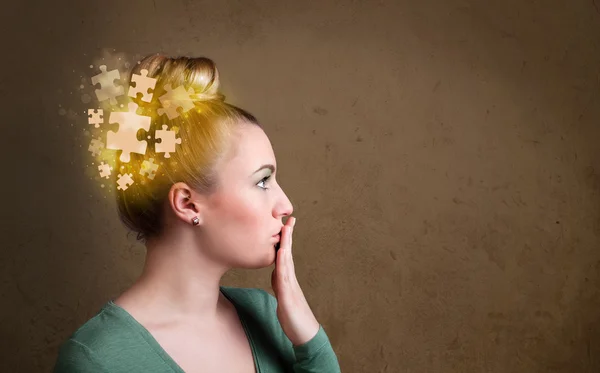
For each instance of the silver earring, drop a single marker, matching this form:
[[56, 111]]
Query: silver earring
[[195, 220]]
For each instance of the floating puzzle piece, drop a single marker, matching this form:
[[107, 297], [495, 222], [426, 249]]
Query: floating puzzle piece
[[143, 85], [104, 170], [167, 141], [175, 99], [124, 181], [125, 138], [149, 169], [95, 117], [96, 146], [108, 89]]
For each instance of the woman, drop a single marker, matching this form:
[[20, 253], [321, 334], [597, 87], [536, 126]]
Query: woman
[[213, 205]]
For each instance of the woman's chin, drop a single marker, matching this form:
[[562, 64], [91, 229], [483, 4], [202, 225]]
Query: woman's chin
[[272, 255], [266, 259]]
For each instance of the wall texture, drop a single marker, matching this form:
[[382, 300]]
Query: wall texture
[[442, 156]]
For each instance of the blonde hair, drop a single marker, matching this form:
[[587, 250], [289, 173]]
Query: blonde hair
[[205, 131]]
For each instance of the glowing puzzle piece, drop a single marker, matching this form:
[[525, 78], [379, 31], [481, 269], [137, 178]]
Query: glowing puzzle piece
[[175, 99], [143, 85], [125, 139], [95, 117], [108, 89], [167, 143], [96, 146], [149, 169], [104, 170], [125, 181]]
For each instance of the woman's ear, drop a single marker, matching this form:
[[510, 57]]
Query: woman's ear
[[185, 203]]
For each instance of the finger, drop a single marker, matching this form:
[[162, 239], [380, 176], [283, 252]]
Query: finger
[[284, 265], [289, 259], [290, 236], [281, 257], [282, 261], [274, 282]]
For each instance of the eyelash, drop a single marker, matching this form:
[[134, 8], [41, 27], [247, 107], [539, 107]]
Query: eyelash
[[264, 180]]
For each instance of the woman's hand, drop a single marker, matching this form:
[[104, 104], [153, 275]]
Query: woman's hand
[[294, 314]]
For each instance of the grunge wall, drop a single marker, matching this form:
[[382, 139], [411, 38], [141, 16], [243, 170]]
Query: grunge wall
[[442, 157]]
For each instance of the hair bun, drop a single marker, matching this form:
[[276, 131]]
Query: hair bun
[[203, 76], [199, 73]]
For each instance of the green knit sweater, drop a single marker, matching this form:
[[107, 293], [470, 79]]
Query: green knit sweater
[[114, 342]]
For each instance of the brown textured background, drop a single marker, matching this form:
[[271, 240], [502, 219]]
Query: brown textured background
[[442, 157]]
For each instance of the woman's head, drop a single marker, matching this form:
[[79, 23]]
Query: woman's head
[[211, 175]]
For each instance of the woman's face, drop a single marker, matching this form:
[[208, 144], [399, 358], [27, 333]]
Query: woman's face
[[247, 210]]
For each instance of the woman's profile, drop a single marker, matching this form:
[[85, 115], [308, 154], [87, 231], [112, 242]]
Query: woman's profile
[[213, 205]]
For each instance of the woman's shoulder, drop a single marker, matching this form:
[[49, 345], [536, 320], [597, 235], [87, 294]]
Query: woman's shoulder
[[95, 341], [251, 297], [109, 323], [253, 301]]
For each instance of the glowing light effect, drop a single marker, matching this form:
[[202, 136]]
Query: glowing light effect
[[126, 137]]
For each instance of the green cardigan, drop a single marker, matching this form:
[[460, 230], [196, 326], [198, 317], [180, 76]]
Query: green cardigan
[[113, 342]]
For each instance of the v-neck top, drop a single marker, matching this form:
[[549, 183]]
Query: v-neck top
[[113, 341]]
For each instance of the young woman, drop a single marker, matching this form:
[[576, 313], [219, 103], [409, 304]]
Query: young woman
[[213, 205]]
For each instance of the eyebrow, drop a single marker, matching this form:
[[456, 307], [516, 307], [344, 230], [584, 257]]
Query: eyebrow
[[269, 166]]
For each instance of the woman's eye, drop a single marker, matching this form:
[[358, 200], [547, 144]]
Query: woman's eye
[[264, 180]]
